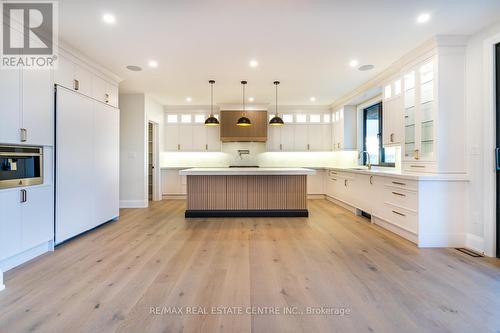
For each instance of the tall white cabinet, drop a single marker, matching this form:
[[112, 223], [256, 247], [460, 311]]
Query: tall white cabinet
[[87, 163]]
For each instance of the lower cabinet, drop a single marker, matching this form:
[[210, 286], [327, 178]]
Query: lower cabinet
[[427, 212], [27, 219]]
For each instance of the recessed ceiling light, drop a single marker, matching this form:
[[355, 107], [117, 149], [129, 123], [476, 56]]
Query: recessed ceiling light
[[251, 99], [312, 99], [109, 18], [422, 18], [253, 63], [353, 63], [134, 68], [365, 68], [153, 63], [188, 99]]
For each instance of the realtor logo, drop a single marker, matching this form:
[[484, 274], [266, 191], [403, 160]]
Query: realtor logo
[[29, 32]]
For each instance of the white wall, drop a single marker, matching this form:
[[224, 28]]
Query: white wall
[[478, 122], [132, 151]]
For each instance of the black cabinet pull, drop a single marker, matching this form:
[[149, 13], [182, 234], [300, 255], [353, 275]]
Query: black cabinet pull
[[398, 213]]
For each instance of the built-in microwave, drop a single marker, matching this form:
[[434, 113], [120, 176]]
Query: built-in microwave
[[20, 166]]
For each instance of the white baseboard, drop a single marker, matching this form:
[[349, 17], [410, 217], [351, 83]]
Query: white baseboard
[[341, 204], [441, 240], [175, 196], [395, 229], [315, 196], [474, 243], [133, 204], [2, 286], [25, 256]]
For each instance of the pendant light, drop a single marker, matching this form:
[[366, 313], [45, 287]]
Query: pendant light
[[211, 120], [276, 120], [243, 121]]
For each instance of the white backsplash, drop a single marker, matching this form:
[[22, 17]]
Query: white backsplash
[[258, 156]]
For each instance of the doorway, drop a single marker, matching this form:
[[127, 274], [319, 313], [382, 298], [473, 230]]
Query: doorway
[[153, 172], [497, 150]]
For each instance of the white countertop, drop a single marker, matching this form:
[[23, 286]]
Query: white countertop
[[389, 172], [245, 171]]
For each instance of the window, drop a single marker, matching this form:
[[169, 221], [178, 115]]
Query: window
[[199, 118], [326, 118], [185, 118], [171, 118], [372, 138], [315, 118], [301, 118], [288, 118], [388, 91], [397, 87]]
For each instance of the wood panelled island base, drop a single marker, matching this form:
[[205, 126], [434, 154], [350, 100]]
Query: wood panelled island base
[[242, 192]]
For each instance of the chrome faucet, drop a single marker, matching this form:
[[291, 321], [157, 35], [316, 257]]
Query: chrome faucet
[[243, 152], [368, 163]]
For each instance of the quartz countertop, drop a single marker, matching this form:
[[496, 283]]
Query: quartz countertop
[[395, 173], [245, 171]]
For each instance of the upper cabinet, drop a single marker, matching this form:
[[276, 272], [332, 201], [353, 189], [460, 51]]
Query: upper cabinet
[[393, 113], [187, 132], [26, 107], [230, 132], [344, 128], [87, 81], [434, 109], [301, 132]]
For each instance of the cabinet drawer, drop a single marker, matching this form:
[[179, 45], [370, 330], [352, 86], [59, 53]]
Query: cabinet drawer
[[401, 217], [401, 197], [404, 184], [420, 167]]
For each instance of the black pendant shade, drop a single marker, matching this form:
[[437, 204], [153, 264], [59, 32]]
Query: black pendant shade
[[243, 121], [276, 120], [211, 120]]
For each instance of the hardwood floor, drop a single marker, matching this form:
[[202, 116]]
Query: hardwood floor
[[109, 279]]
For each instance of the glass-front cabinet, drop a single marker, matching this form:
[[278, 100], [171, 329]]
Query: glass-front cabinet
[[419, 113]]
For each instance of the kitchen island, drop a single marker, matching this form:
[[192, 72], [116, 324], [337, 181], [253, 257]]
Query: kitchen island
[[247, 192]]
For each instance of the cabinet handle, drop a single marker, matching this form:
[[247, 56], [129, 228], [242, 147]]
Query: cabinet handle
[[417, 166], [371, 180], [76, 84], [24, 196], [308, 147], [398, 213], [338, 145], [400, 194], [398, 183], [345, 182], [281, 146], [392, 137], [416, 154], [106, 98], [24, 135], [206, 147], [334, 179]]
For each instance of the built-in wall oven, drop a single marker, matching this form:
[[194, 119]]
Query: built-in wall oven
[[20, 166]]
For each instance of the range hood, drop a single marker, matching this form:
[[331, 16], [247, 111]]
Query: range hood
[[229, 132]]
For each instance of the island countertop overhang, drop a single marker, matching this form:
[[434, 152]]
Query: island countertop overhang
[[246, 171]]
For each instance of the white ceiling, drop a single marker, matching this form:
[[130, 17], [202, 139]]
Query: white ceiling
[[307, 45]]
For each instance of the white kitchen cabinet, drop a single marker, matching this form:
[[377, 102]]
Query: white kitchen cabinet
[[82, 80], [344, 128], [315, 137], [73, 76], [172, 137], [173, 183], [434, 108], [274, 138], [27, 219], [316, 183], [10, 106], [106, 161], [38, 106], [213, 138], [301, 138], [65, 73], [186, 139], [10, 223], [87, 164], [103, 91], [393, 109], [37, 216]]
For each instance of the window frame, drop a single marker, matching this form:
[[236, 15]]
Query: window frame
[[380, 135]]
